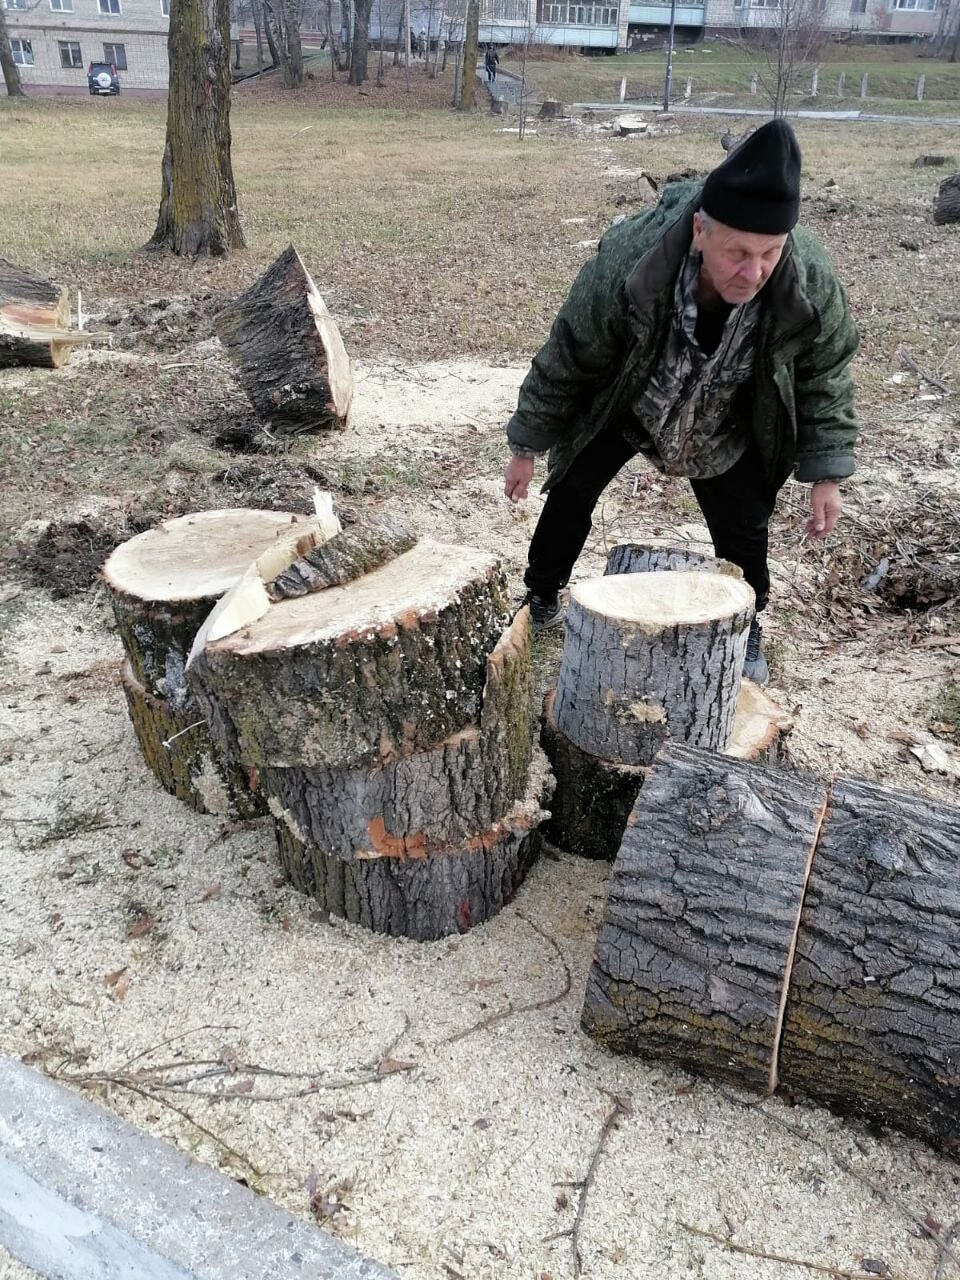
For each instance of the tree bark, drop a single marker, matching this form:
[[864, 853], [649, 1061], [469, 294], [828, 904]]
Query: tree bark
[[371, 671], [359, 44], [11, 72], [651, 660], [293, 68], [177, 749], [693, 955], [287, 350], [947, 206], [198, 202], [873, 1021], [342, 559], [640, 557], [593, 797], [471, 39]]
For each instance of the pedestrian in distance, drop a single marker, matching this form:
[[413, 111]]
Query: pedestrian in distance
[[491, 60]]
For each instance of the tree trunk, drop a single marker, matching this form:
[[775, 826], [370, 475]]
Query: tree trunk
[[258, 32], [593, 797], [293, 68], [359, 44], [34, 320], [177, 749], [652, 656], [693, 955], [269, 36], [11, 72], [198, 202], [873, 1021], [401, 27], [287, 350], [368, 672], [468, 80], [640, 557], [947, 206]]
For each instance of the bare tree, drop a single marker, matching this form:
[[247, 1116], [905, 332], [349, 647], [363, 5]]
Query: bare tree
[[785, 41], [468, 70], [11, 72], [360, 41], [198, 199], [948, 30], [283, 19]]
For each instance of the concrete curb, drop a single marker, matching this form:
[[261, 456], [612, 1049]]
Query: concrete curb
[[854, 116], [86, 1196]]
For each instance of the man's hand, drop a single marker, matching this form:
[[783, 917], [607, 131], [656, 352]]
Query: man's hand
[[517, 477], [825, 507]]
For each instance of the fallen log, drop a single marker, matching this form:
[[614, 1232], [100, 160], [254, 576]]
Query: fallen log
[[650, 656], [594, 797], [35, 321], [694, 952], [287, 350], [872, 1026], [392, 663], [946, 207]]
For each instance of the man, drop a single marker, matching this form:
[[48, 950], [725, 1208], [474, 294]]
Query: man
[[712, 336], [491, 60]]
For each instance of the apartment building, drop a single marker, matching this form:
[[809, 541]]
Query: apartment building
[[54, 41]]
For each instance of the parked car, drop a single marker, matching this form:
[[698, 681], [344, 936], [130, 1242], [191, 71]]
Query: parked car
[[102, 78]]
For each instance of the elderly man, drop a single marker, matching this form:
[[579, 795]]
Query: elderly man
[[711, 335]]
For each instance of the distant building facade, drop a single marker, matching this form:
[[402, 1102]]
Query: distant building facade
[[54, 41]]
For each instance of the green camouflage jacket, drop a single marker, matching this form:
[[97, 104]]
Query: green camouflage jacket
[[608, 335]]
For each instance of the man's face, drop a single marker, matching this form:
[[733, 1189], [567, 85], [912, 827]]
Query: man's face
[[736, 264]]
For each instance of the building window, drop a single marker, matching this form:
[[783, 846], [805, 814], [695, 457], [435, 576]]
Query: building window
[[116, 55], [109, 6], [22, 52], [61, 6], [165, 8], [858, 6], [921, 6], [14, 4], [70, 54], [581, 15]]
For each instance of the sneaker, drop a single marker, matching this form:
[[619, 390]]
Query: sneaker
[[545, 611], [755, 664]]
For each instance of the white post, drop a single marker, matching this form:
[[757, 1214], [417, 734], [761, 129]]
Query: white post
[[921, 81], [815, 82], [623, 88], [841, 79], [753, 83], [863, 86], [688, 90]]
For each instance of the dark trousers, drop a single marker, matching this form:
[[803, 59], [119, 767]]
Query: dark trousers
[[736, 507]]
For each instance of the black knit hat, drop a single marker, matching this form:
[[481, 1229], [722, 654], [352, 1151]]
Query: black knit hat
[[757, 188]]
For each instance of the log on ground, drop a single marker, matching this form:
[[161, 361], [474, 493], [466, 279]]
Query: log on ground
[[872, 1025], [651, 657], [164, 582], [177, 749], [391, 663], [287, 350], [594, 797], [647, 557], [947, 204], [432, 896], [694, 952], [428, 800], [35, 320]]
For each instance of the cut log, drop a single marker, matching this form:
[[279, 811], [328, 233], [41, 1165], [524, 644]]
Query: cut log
[[651, 656], [177, 749], [35, 320], [644, 557], [392, 663], [427, 897], [550, 109], [341, 559], [164, 582], [287, 350], [594, 797], [946, 207], [873, 1021], [694, 953], [427, 801], [630, 126]]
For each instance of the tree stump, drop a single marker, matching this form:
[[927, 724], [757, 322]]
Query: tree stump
[[649, 657], [630, 126], [287, 350], [694, 952], [35, 321], [593, 797], [392, 663], [947, 205], [641, 557], [550, 109], [177, 749], [437, 841], [873, 1020]]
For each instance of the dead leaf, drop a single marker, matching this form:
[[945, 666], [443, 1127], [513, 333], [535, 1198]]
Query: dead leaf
[[390, 1066], [211, 891], [241, 1086], [133, 860], [122, 987], [227, 1056], [24, 947], [142, 926], [65, 873], [111, 979], [932, 1224], [481, 984], [935, 758]]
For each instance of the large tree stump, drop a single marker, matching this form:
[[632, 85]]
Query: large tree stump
[[594, 797], [946, 207], [650, 656], [428, 800], [694, 952], [392, 663], [35, 321], [426, 897], [287, 350], [643, 557], [873, 1020], [177, 749], [164, 582]]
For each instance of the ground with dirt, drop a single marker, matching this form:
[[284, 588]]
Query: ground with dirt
[[139, 937]]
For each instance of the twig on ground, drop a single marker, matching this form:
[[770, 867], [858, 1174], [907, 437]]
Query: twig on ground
[[621, 1107], [823, 1269], [939, 1272], [493, 1018], [907, 359], [181, 1035]]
